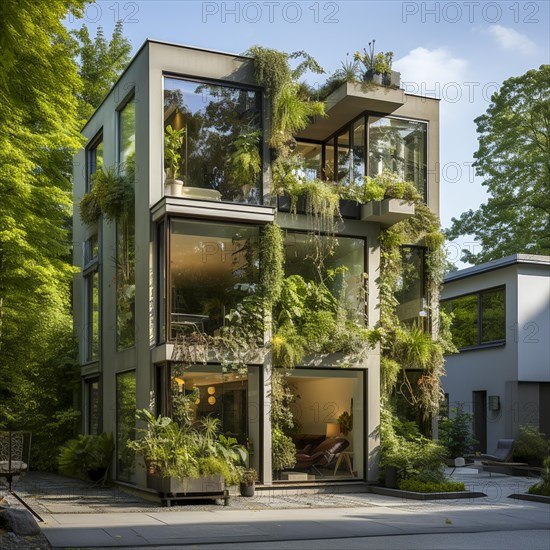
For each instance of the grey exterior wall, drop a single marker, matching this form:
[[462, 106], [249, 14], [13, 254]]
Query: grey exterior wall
[[514, 370], [143, 78]]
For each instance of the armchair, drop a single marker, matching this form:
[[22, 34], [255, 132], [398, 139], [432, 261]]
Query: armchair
[[322, 455]]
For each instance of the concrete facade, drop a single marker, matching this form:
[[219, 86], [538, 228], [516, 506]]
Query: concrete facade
[[517, 370], [143, 80]]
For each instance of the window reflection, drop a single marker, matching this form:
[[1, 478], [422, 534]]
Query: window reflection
[[219, 122], [410, 291], [312, 154], [347, 262], [213, 267], [399, 146]]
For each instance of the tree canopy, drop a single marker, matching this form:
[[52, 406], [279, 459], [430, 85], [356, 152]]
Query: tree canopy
[[514, 160], [40, 119], [100, 63]]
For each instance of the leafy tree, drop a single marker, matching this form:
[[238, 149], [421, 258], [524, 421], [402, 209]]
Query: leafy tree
[[39, 133], [514, 159], [100, 63]]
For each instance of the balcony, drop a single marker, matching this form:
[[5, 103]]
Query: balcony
[[387, 212]]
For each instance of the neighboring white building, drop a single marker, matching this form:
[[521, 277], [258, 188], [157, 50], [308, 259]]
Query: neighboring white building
[[501, 326]]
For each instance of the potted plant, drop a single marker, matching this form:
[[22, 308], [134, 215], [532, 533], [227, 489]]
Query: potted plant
[[377, 66], [345, 420], [173, 143], [248, 478], [189, 458]]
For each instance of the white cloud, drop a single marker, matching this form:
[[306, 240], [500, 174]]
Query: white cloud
[[510, 39], [427, 72]]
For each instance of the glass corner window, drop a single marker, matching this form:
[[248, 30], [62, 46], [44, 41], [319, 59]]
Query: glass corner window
[[399, 146], [212, 141]]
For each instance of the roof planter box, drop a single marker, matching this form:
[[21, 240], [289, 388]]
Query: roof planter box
[[387, 212]]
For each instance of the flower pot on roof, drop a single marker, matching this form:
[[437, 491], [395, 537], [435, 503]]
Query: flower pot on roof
[[378, 66], [173, 145]]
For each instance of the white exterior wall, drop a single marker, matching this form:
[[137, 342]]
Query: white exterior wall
[[533, 328], [504, 370]]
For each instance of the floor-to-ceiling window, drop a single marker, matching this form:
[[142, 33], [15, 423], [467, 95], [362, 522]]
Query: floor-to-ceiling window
[[220, 138], [125, 248], [125, 425], [213, 267]]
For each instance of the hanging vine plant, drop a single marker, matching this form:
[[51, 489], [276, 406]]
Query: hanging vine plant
[[111, 195], [405, 347], [291, 109]]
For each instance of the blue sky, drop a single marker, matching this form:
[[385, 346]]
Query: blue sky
[[458, 51]]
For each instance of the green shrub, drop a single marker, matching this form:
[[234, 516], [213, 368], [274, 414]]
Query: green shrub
[[213, 465], [283, 451], [531, 444], [430, 487], [414, 456], [543, 486], [86, 455], [455, 432]]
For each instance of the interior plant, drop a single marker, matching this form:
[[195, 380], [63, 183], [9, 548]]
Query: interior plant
[[245, 163], [345, 420], [173, 144], [87, 457]]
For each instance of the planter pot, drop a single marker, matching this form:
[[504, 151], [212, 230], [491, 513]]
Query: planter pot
[[390, 479], [97, 474], [173, 485], [173, 187], [393, 78], [284, 203], [247, 490], [350, 209]]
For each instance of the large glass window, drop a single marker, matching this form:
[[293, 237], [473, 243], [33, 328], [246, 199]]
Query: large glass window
[[125, 424], [125, 250], [213, 266], [313, 156], [343, 265], [221, 138], [94, 159], [91, 284], [93, 416], [233, 398], [399, 146], [344, 157], [410, 291], [478, 319], [359, 141], [328, 413]]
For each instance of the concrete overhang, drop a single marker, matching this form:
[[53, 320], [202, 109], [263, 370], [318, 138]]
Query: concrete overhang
[[227, 211], [347, 103]]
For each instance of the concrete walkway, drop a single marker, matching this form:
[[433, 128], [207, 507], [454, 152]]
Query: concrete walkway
[[109, 518]]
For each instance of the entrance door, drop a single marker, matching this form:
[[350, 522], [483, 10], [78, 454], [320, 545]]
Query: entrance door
[[479, 399]]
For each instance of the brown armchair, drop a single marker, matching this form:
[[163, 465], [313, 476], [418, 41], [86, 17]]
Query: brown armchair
[[322, 455]]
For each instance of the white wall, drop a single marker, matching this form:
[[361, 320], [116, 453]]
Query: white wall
[[533, 328]]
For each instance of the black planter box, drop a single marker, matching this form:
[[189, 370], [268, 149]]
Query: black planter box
[[348, 209]]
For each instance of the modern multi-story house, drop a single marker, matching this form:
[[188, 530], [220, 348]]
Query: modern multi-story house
[[501, 324], [187, 256]]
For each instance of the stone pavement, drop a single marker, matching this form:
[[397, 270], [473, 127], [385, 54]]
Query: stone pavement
[[81, 516]]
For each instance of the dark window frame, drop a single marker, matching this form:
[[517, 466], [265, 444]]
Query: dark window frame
[[91, 159], [478, 294], [226, 84]]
